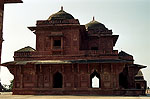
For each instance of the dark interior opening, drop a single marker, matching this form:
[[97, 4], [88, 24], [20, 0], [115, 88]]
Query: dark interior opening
[[138, 86], [57, 42], [94, 48], [93, 75], [123, 81], [57, 80]]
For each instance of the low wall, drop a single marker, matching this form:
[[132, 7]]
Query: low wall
[[125, 92]]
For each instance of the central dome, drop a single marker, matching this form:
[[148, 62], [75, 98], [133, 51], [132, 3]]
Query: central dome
[[95, 25], [61, 15]]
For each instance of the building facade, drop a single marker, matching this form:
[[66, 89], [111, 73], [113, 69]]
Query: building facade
[[67, 58]]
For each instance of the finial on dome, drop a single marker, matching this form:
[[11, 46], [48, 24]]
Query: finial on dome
[[93, 18], [61, 8]]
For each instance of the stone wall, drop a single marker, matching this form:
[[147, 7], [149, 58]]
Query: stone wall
[[74, 77]]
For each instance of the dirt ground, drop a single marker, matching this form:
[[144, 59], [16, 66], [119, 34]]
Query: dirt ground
[[8, 95]]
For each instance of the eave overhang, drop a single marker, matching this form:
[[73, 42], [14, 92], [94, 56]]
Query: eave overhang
[[32, 28], [48, 27], [137, 65], [13, 1], [115, 38], [38, 62]]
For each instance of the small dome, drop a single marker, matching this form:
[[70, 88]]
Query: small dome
[[95, 25], [61, 15], [26, 49], [139, 73]]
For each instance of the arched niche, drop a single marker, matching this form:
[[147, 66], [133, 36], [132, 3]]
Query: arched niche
[[95, 80], [57, 80]]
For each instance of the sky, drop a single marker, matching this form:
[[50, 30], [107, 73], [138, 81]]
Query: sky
[[130, 19]]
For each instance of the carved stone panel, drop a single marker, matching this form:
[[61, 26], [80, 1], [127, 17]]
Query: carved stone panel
[[84, 80], [106, 77], [106, 84], [84, 84], [84, 77]]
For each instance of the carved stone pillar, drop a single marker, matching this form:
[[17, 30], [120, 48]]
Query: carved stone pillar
[[21, 81], [1, 25], [21, 77]]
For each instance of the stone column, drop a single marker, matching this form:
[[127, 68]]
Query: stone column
[[1, 25], [35, 77], [21, 81], [21, 77]]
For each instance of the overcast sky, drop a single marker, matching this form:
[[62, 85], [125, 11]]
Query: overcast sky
[[130, 19]]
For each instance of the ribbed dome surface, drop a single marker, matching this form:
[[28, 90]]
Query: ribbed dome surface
[[26, 49], [95, 25], [61, 15]]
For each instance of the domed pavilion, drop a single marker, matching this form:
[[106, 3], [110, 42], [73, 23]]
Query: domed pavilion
[[69, 56]]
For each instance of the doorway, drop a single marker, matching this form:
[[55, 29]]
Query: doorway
[[57, 80], [95, 80]]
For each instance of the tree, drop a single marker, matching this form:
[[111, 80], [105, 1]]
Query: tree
[[8, 88], [11, 85]]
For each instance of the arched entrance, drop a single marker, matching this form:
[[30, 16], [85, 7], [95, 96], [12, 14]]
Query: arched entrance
[[95, 80], [57, 80], [123, 83]]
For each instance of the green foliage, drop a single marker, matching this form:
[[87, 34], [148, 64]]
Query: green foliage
[[8, 88], [11, 85]]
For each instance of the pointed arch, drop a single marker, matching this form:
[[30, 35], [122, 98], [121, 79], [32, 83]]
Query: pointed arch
[[57, 80], [123, 83], [95, 78]]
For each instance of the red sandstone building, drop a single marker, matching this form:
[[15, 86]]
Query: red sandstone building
[[67, 58]]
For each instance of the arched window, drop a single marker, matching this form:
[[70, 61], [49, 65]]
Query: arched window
[[123, 83], [95, 80], [57, 80]]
